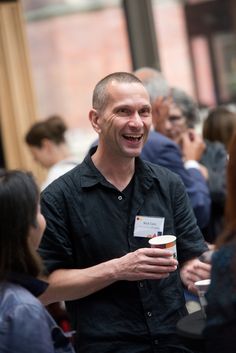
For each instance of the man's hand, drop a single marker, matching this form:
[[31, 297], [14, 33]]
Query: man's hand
[[145, 263], [193, 271], [204, 171], [192, 145]]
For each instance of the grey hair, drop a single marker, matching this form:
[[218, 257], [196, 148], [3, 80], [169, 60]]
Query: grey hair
[[154, 82], [187, 106]]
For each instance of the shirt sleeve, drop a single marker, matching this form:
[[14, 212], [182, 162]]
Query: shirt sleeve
[[190, 241], [55, 247]]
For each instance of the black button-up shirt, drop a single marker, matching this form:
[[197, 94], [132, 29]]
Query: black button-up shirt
[[89, 221]]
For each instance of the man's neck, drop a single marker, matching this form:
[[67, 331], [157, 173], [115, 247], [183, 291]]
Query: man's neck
[[118, 171]]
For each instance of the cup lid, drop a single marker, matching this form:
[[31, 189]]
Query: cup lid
[[162, 239], [203, 282]]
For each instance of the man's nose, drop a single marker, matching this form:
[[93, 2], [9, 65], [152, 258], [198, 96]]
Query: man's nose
[[168, 125], [136, 120]]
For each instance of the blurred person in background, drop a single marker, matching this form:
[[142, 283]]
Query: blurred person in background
[[220, 331], [184, 117], [220, 125], [161, 150], [25, 325], [47, 143]]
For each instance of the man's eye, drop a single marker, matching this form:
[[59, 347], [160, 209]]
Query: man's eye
[[123, 111], [145, 112], [175, 118]]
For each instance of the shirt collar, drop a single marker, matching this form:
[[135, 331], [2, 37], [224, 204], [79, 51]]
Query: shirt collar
[[91, 176], [32, 284], [146, 172]]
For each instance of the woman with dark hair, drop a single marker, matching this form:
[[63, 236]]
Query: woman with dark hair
[[220, 125], [25, 325], [48, 145], [220, 330]]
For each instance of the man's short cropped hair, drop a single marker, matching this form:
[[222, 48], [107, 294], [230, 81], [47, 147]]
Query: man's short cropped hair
[[100, 93]]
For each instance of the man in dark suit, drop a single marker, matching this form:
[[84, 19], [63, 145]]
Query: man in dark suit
[[161, 150]]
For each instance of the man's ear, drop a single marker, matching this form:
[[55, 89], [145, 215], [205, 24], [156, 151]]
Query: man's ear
[[94, 119]]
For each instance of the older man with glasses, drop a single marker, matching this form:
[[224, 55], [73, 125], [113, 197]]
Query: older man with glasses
[[163, 151]]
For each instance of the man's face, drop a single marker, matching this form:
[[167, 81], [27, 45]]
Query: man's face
[[42, 155], [168, 119], [126, 120], [177, 124], [36, 232]]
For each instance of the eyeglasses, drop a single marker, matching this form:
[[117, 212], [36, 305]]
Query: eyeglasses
[[176, 119]]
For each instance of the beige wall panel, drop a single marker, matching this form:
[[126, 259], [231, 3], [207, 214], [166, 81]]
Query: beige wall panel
[[17, 102]]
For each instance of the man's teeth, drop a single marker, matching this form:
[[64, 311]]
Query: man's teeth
[[133, 138]]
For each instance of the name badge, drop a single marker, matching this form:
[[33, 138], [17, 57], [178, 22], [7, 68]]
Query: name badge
[[148, 227]]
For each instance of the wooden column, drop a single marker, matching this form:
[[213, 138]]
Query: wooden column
[[17, 101], [142, 33]]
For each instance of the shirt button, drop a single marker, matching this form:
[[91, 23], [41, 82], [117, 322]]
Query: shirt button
[[120, 197], [156, 342], [141, 284], [149, 314]]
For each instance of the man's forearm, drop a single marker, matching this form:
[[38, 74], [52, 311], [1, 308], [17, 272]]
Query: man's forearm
[[74, 284], [144, 263]]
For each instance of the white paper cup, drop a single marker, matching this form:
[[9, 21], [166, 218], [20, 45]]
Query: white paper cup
[[167, 242], [202, 287]]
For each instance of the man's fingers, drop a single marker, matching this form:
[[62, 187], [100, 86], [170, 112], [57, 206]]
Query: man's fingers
[[201, 270]]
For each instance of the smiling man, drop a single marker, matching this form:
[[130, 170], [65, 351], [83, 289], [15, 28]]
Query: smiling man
[[127, 297]]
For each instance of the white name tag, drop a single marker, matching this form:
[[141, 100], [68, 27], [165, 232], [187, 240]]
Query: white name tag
[[148, 227]]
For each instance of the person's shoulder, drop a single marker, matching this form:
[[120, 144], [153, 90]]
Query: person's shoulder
[[215, 147], [66, 181], [162, 173], [169, 182], [63, 166], [227, 249], [225, 256], [59, 169], [157, 137], [13, 297], [23, 319], [160, 149], [214, 144]]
